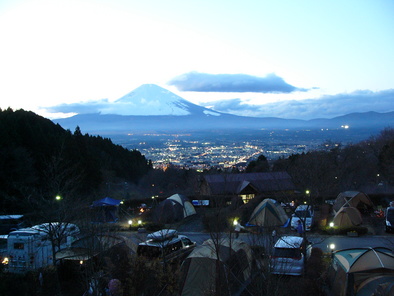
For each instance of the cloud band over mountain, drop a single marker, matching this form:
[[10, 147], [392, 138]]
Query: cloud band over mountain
[[328, 106], [203, 82]]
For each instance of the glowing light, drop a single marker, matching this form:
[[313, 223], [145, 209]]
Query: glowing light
[[130, 222], [139, 222], [58, 197], [235, 222], [332, 247], [81, 262], [331, 224]]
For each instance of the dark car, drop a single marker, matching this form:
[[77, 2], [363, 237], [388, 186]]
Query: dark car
[[168, 246]]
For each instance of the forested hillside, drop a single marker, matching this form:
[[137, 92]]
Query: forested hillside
[[40, 160]]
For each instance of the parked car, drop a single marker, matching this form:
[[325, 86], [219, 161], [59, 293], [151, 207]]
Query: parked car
[[389, 219], [303, 212], [166, 244], [288, 255]]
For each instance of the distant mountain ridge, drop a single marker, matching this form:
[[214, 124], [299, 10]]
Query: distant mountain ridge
[[150, 108]]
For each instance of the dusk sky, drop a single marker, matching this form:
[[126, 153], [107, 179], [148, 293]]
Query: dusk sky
[[289, 59]]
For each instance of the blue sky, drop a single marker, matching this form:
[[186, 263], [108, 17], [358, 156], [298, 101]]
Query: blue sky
[[290, 59]]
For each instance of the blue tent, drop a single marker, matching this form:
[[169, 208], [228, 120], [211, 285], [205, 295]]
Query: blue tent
[[105, 210]]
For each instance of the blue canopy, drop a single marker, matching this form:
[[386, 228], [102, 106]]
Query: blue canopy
[[105, 210], [107, 201]]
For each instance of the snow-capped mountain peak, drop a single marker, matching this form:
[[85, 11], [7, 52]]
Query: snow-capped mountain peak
[[151, 99]]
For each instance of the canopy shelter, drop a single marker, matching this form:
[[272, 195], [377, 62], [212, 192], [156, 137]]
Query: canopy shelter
[[173, 209], [355, 199], [268, 213], [105, 210], [348, 217], [362, 271], [224, 266]]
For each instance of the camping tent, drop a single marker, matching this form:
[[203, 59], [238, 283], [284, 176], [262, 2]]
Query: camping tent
[[187, 207], [228, 262], [362, 271], [268, 213], [105, 210], [355, 199], [347, 217], [173, 209]]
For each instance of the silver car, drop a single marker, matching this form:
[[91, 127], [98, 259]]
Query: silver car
[[288, 256]]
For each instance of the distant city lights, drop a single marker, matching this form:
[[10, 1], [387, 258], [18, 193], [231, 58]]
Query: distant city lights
[[345, 126]]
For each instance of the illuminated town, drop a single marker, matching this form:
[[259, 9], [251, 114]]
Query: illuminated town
[[203, 152]]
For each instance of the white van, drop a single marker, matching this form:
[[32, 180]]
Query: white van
[[303, 212], [31, 248], [287, 256]]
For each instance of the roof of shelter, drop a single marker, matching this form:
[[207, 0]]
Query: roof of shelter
[[261, 182]]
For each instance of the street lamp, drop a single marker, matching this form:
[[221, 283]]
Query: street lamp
[[58, 197], [332, 248]]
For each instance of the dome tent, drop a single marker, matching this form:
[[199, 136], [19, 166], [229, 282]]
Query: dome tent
[[228, 263], [268, 213], [173, 209], [355, 199], [347, 217], [362, 271], [187, 207]]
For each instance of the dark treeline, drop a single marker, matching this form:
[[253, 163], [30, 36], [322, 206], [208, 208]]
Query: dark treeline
[[367, 166], [40, 160]]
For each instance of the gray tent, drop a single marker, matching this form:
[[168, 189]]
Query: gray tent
[[227, 263], [268, 213]]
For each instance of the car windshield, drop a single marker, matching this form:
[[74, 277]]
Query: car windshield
[[303, 214], [287, 252]]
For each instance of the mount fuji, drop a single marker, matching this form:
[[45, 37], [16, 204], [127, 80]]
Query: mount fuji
[[151, 99], [150, 108]]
